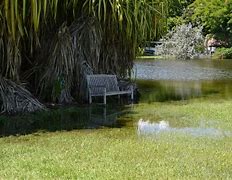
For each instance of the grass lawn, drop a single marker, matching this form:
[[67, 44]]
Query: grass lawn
[[119, 153]]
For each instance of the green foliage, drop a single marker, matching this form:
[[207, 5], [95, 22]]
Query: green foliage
[[214, 15], [223, 53], [175, 12], [173, 22], [177, 7]]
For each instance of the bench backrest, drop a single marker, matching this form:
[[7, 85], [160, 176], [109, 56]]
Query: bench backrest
[[102, 80]]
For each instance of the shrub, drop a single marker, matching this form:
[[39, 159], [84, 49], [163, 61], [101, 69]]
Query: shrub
[[223, 53], [184, 42]]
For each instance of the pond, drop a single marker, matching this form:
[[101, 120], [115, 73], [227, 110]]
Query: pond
[[171, 81], [160, 82], [165, 80], [191, 70]]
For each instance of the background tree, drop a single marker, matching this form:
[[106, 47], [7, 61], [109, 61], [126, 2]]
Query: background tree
[[175, 11], [214, 15]]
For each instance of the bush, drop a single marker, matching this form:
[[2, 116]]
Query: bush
[[184, 42], [223, 53]]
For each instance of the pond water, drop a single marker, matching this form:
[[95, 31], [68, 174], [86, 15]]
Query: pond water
[[194, 70], [168, 81], [163, 81], [64, 119]]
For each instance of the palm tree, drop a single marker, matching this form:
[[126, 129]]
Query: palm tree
[[52, 44]]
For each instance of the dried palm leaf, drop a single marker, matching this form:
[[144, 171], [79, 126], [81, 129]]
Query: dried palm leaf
[[16, 99]]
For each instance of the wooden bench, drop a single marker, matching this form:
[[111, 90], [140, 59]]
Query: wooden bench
[[105, 85]]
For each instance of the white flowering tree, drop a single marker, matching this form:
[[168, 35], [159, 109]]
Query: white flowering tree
[[185, 42]]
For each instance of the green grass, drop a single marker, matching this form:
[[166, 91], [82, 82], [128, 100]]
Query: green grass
[[118, 153]]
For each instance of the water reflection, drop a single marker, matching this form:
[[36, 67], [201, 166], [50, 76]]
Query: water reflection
[[161, 80], [161, 91], [152, 128], [64, 119]]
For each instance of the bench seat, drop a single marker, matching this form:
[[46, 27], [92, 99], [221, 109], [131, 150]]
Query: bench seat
[[112, 93], [105, 85]]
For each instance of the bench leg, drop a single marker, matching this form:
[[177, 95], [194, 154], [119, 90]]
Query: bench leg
[[104, 99], [105, 96], [132, 93], [90, 99]]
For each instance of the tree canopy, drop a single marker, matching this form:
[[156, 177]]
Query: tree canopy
[[214, 15], [175, 12]]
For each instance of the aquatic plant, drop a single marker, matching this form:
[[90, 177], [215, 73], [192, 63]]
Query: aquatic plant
[[184, 42]]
